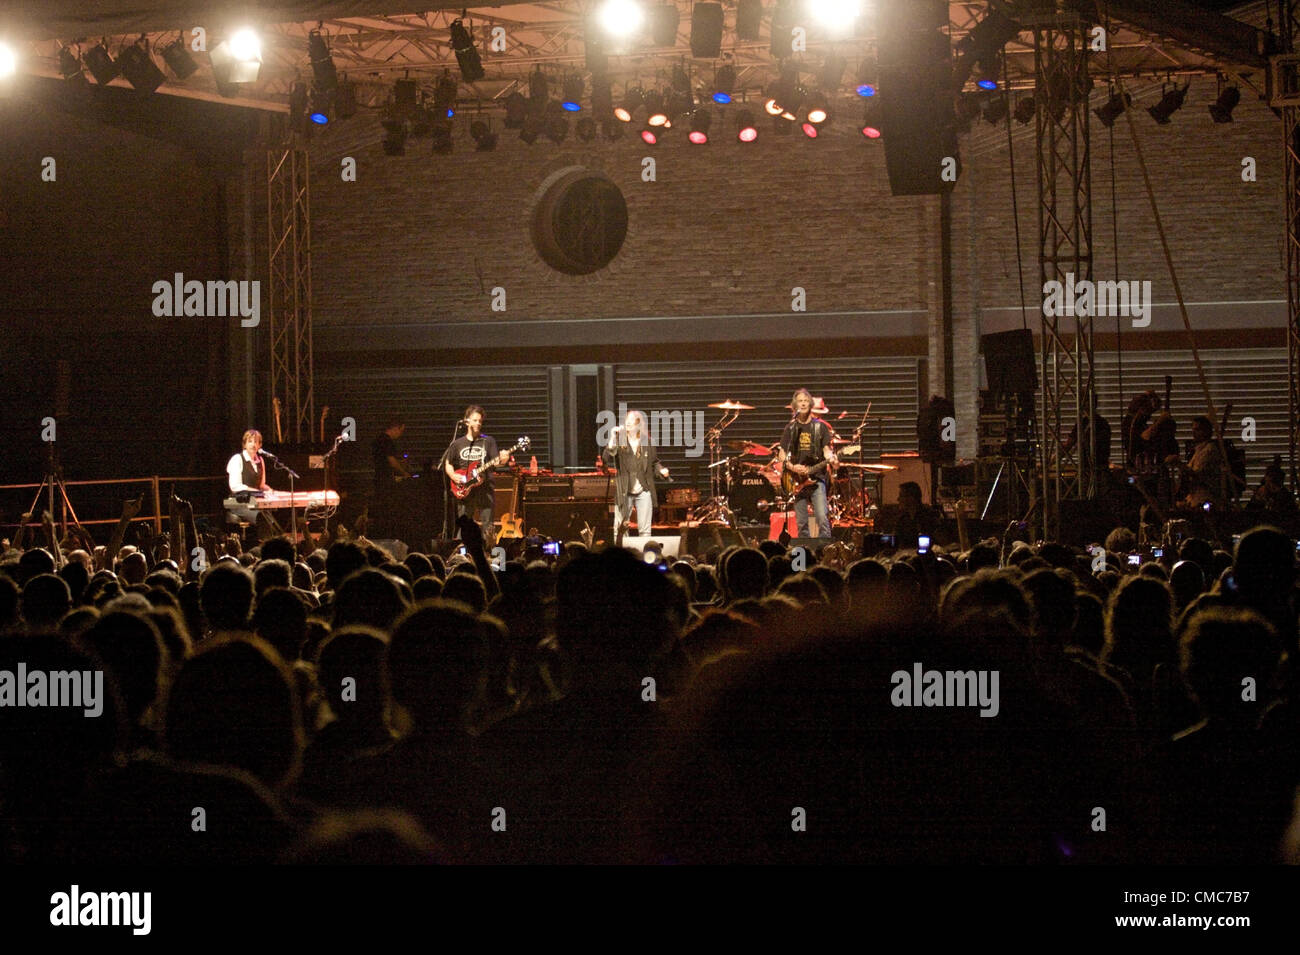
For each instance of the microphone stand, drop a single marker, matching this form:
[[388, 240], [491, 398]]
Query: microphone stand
[[447, 496], [329, 454], [293, 511]]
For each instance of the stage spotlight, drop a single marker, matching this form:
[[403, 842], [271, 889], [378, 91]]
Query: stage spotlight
[[485, 139], [620, 17], [654, 107], [322, 105], [633, 98], [969, 106], [871, 121], [444, 96], [982, 46], [177, 57], [441, 135], [1025, 109], [100, 64], [539, 90], [9, 61], [394, 135], [532, 127], [139, 69], [996, 111], [586, 129], [724, 78], [831, 73], [516, 110], [69, 65], [810, 130], [701, 120], [817, 108], [1225, 104], [345, 99], [678, 104], [602, 100], [785, 95], [322, 66], [471, 66], [556, 124], [573, 89], [866, 89], [649, 136], [612, 129], [837, 15], [1169, 104], [1113, 108], [746, 131], [236, 60]]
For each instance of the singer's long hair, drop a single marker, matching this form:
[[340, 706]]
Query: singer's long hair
[[643, 424]]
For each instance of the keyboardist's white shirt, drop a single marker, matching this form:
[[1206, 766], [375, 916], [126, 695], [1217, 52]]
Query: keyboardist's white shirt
[[235, 473]]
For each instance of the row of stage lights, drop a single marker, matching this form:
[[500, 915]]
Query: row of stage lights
[[654, 111]]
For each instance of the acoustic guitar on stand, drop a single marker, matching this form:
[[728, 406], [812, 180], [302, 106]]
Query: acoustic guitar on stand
[[477, 474]]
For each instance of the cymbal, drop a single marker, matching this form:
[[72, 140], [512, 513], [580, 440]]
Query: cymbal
[[729, 405]]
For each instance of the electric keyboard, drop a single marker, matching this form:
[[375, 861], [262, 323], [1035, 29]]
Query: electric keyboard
[[276, 499]]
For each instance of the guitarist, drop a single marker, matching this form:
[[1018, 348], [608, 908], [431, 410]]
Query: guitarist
[[475, 450], [805, 451]]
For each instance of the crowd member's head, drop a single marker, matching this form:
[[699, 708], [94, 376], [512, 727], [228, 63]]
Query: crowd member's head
[[366, 837], [35, 561], [369, 597], [46, 599], [233, 704], [1222, 648], [1138, 621], [226, 596], [271, 573], [132, 648], [76, 575], [8, 601], [744, 574], [344, 559], [280, 618], [426, 588], [419, 565], [1187, 581], [352, 671], [1053, 600], [437, 665], [1090, 623], [466, 588], [1264, 572], [909, 497], [614, 613], [279, 548], [1121, 541], [133, 568], [986, 592]]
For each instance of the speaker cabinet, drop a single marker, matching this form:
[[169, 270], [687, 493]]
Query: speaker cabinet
[[706, 30]]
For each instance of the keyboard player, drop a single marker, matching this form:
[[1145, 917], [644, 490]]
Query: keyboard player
[[246, 474]]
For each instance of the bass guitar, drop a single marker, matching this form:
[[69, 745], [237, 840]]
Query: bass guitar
[[477, 474], [792, 484]]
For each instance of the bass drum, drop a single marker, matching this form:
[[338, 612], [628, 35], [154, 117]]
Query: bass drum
[[749, 491]]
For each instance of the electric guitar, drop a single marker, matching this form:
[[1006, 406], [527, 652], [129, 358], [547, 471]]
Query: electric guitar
[[477, 474], [793, 484]]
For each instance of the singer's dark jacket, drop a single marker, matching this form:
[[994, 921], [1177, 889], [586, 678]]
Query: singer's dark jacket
[[643, 466]]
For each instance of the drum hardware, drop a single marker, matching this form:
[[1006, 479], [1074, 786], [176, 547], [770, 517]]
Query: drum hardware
[[716, 509]]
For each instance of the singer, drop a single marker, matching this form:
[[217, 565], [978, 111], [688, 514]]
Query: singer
[[464, 457], [804, 453], [246, 474], [631, 452], [246, 470]]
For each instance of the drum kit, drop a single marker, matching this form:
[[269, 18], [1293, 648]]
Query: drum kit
[[745, 484]]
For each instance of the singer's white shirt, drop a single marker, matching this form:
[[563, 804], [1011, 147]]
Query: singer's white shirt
[[235, 472]]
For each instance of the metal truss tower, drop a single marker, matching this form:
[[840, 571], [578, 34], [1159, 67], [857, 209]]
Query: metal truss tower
[[288, 207], [1065, 251]]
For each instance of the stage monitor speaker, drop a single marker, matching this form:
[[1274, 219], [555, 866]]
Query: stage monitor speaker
[[1009, 362], [917, 124], [749, 15], [706, 30], [563, 520]]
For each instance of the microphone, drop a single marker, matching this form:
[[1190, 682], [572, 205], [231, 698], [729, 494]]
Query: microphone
[[267, 454]]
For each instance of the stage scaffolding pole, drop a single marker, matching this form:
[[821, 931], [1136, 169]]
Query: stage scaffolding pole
[[288, 207], [1061, 85]]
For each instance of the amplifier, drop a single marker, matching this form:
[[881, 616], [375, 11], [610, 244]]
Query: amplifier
[[563, 520], [592, 487], [548, 489]]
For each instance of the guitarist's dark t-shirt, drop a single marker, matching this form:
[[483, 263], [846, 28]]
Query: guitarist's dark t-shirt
[[465, 453], [803, 443]]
